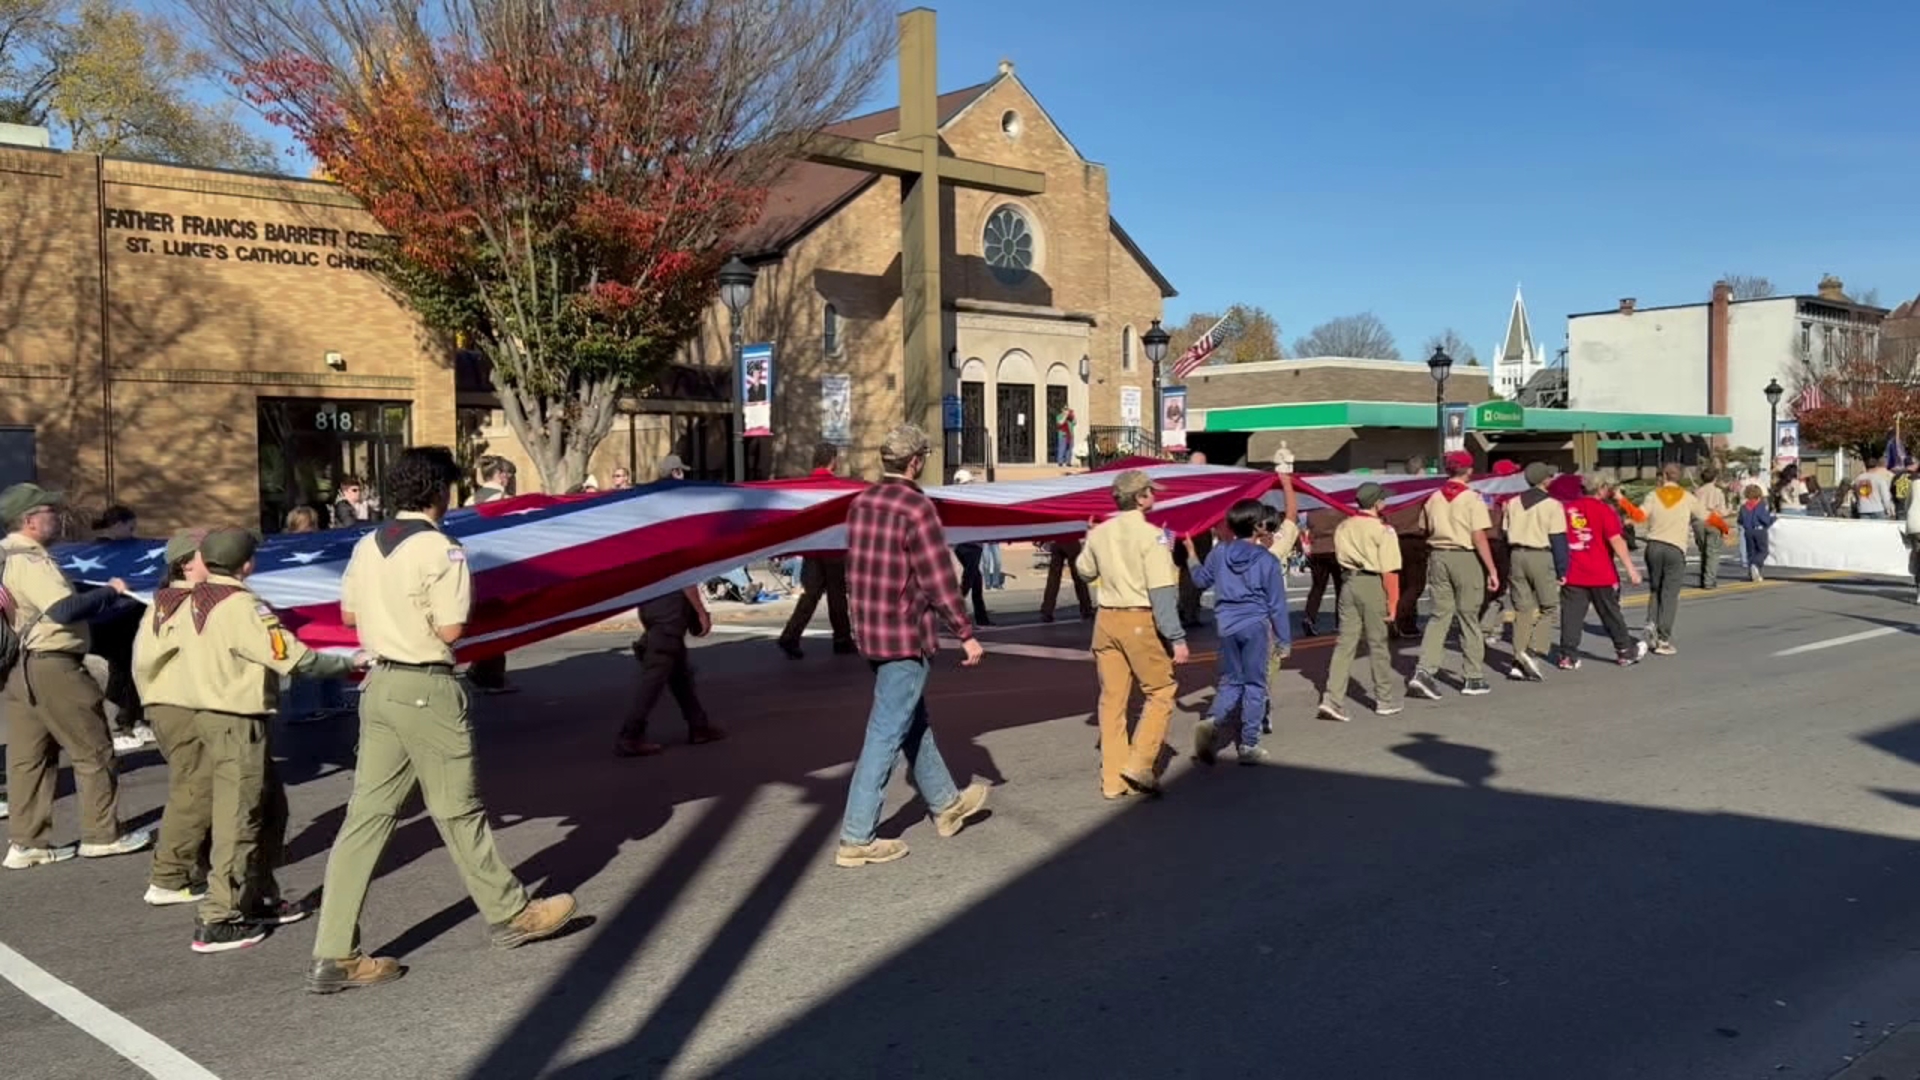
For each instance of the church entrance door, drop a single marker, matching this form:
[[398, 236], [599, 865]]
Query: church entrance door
[[1013, 443]]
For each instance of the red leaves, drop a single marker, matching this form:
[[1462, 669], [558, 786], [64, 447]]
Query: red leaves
[[1863, 401]]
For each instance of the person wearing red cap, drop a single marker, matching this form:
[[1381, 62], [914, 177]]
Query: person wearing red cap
[[1493, 612], [1460, 570]]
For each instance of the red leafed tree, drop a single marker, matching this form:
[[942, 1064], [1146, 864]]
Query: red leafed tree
[[1865, 389], [557, 176]]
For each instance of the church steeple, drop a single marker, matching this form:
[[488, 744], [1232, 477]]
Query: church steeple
[[1518, 356]]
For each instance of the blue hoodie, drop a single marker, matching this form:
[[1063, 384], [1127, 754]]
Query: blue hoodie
[[1248, 588]]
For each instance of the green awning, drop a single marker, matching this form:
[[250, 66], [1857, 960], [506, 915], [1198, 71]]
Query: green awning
[[1631, 444], [1407, 414]]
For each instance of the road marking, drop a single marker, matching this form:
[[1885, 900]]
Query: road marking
[[121, 1035], [1848, 639]]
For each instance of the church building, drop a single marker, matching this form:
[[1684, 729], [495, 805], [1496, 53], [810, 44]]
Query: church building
[[1518, 357]]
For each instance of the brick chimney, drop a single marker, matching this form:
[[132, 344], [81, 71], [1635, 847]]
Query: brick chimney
[[1718, 316], [1626, 305], [1832, 288]]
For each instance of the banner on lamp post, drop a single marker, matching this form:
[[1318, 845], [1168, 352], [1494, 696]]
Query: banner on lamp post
[[756, 389], [836, 409], [1455, 418], [1173, 418], [1786, 443]]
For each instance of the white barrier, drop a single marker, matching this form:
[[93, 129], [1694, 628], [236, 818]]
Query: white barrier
[[1857, 547]]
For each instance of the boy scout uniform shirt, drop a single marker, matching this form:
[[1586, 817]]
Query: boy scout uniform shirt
[[1451, 523], [37, 584], [1366, 544], [400, 599], [232, 647], [1128, 557], [1534, 526], [158, 677], [1671, 511]]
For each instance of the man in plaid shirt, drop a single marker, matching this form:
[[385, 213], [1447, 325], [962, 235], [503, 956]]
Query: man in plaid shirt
[[899, 575]]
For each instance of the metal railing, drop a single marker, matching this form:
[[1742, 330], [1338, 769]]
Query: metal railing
[[1111, 442]]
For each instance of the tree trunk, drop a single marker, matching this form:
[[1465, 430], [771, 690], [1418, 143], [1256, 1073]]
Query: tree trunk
[[560, 434]]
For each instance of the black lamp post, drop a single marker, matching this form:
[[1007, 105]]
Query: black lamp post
[[736, 291], [1155, 340], [1774, 392], [1440, 365]]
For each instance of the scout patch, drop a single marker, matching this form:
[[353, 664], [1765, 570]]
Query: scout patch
[[455, 554], [1166, 538], [278, 639]]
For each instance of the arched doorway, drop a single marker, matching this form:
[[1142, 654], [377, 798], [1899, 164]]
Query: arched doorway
[[1014, 403]]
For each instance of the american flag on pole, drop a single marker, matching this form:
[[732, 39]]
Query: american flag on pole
[[1809, 398], [1223, 331], [543, 565]]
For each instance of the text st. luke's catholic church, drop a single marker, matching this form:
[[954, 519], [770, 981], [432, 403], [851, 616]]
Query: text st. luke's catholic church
[[208, 346]]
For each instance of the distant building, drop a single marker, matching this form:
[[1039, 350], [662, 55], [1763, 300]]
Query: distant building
[[1714, 357], [1900, 335], [1518, 357]]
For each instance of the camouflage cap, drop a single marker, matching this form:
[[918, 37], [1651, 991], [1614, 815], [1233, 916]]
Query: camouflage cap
[[1133, 482], [184, 543], [903, 442], [229, 547], [1369, 495]]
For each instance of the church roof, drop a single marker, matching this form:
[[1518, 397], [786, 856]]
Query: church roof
[[1518, 347], [809, 193]]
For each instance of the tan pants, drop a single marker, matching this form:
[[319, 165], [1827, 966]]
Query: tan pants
[[1459, 588], [1126, 649], [53, 704], [1363, 616], [1536, 600], [249, 814], [186, 825]]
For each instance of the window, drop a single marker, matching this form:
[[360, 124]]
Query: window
[[830, 334], [1128, 339], [1806, 340], [1008, 241]]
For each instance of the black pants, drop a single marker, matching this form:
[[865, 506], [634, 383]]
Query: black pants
[[664, 666], [488, 674], [972, 585], [1573, 616], [1324, 568], [826, 575]]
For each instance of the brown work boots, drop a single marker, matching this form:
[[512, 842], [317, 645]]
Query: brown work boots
[[541, 918], [358, 970]]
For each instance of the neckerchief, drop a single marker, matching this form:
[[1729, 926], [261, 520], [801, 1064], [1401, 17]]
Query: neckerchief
[[1670, 495], [1452, 489]]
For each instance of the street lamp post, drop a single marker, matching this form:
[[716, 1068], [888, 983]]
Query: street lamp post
[[736, 291], [1774, 392], [1155, 340], [1440, 365]]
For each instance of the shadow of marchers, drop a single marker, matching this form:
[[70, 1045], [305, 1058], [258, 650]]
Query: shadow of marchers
[[1388, 929]]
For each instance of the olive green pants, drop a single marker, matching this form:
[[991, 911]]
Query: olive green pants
[[413, 730], [248, 807], [1459, 585], [1711, 544], [1536, 600], [1363, 615], [180, 856], [53, 704]]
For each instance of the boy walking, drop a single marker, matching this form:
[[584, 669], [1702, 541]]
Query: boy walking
[[1249, 596], [664, 666]]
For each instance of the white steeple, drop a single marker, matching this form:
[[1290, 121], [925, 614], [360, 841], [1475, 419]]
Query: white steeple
[[1518, 357]]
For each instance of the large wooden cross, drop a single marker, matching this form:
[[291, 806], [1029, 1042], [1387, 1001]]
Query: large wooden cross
[[914, 156]]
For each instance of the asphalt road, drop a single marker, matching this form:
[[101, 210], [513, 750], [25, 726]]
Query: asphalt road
[[1702, 867]]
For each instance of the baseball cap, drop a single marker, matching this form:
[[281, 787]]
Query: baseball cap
[[229, 547], [670, 463], [183, 543], [1505, 468], [1369, 495], [20, 498], [903, 442], [1458, 459], [1538, 472], [1133, 482]]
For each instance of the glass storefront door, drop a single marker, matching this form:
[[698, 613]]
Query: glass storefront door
[[309, 445]]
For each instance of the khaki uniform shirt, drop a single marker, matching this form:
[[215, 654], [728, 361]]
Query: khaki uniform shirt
[[1127, 557], [1713, 500], [1451, 523], [1671, 513], [400, 600], [157, 675], [1285, 539], [231, 648], [1534, 526], [1367, 544], [37, 584]]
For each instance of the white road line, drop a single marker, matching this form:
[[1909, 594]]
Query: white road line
[[1849, 639], [121, 1035]]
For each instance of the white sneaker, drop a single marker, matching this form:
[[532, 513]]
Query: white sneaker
[[159, 897], [20, 858], [126, 845], [127, 744], [3, 809], [144, 732]]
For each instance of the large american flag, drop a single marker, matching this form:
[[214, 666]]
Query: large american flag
[[544, 565], [1810, 398], [1197, 353]]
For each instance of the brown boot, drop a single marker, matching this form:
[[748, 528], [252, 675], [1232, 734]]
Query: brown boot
[[541, 918], [870, 854], [333, 976], [950, 821]]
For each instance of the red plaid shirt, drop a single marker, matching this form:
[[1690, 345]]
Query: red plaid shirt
[[900, 573]]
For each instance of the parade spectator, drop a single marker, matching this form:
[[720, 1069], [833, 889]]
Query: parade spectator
[[1819, 502], [1250, 595], [899, 581], [352, 507], [1756, 517], [302, 519], [1873, 492], [1595, 540], [1790, 493]]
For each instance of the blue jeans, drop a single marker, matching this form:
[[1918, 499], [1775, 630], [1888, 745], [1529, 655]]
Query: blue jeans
[[1243, 681], [898, 722], [1062, 448], [990, 567]]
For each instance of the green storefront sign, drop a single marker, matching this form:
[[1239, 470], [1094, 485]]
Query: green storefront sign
[[1499, 416]]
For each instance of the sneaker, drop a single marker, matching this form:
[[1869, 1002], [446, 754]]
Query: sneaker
[[352, 973], [870, 854], [1254, 755], [1422, 685], [1475, 687], [1331, 710], [541, 918], [1205, 740], [1633, 655], [127, 744], [159, 897], [1753, 573], [1529, 662], [1266, 723], [20, 858], [1493, 639], [226, 936], [3, 809], [1665, 648], [1308, 627], [964, 808], [144, 732], [279, 913], [1567, 662], [126, 845], [1394, 709]]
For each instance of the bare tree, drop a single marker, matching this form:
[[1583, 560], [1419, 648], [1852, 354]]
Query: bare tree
[[1455, 346], [1868, 297], [1258, 337], [1749, 286], [1362, 336]]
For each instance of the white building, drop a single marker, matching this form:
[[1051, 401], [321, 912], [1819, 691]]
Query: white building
[[1518, 357], [1715, 357]]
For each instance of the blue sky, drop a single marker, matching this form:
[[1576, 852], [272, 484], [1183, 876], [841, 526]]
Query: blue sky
[[1419, 158]]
